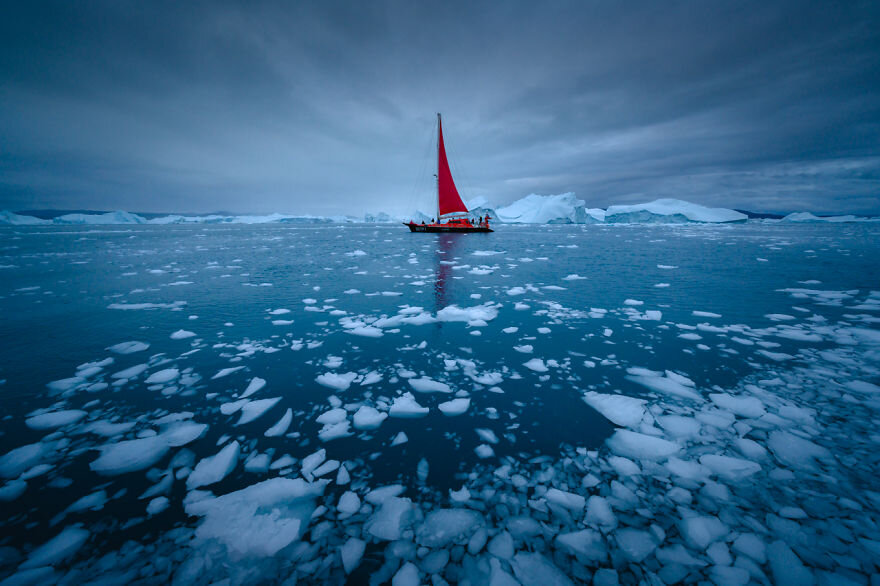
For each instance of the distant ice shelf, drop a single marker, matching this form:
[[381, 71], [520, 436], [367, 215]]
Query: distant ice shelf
[[564, 208]]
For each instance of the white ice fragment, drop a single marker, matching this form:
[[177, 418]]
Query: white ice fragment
[[387, 522], [226, 372], [567, 500], [180, 433], [312, 461], [182, 334], [535, 569], [59, 548], [444, 527], [259, 520], [255, 409], [700, 531], [281, 427], [536, 364], [454, 407], [163, 376], [729, 468], [349, 503], [351, 552], [619, 409], [635, 544], [750, 407], [400, 438], [332, 380], [130, 455], [406, 407], [639, 446], [786, 567], [54, 419], [794, 451], [129, 347], [484, 451], [214, 468], [586, 544], [426, 385], [157, 505], [255, 385], [367, 417]]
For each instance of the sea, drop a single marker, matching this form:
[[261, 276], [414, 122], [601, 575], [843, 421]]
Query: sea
[[353, 403]]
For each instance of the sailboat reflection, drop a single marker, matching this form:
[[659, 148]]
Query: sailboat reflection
[[444, 256]]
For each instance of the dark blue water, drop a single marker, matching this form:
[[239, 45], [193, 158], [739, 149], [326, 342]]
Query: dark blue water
[[68, 294]]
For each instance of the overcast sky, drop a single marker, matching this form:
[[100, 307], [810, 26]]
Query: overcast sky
[[329, 107]]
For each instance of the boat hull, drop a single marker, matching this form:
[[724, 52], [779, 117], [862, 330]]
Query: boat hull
[[446, 228]]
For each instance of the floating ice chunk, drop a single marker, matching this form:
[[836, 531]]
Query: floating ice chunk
[[639, 446], [786, 568], [365, 331], [226, 372], [407, 575], [357, 252], [751, 545], [130, 372], [635, 544], [525, 348], [130, 455], [406, 407], [233, 406], [59, 548], [259, 520], [54, 419], [349, 503], [619, 409], [444, 527], [342, 476], [255, 409], [182, 334], [312, 461], [679, 426], [484, 451], [157, 505], [751, 407], [462, 495], [214, 468], [487, 435], [255, 385], [129, 347], [334, 431], [794, 451], [454, 407], [367, 417], [332, 380], [426, 385], [573, 277], [12, 490], [181, 433], [567, 500], [332, 416], [533, 569], [536, 364], [586, 544], [163, 376], [633, 302], [400, 438], [729, 468], [19, 459], [599, 513], [473, 315], [388, 521], [326, 468], [351, 552], [700, 531], [656, 382]]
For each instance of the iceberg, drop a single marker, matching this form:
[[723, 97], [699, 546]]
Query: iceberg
[[100, 219], [670, 211], [13, 219], [808, 217], [564, 208]]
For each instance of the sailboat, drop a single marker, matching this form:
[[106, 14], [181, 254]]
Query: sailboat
[[452, 214]]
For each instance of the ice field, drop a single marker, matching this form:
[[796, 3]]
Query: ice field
[[548, 404]]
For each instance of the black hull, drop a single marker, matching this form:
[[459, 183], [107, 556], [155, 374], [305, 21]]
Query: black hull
[[435, 228]]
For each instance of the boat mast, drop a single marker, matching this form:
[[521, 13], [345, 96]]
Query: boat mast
[[438, 167]]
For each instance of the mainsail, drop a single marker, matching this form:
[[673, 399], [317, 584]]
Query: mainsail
[[449, 202]]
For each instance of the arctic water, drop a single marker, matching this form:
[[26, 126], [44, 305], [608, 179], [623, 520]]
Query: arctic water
[[357, 403]]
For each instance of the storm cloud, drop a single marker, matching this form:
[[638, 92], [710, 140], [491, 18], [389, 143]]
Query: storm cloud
[[329, 108]]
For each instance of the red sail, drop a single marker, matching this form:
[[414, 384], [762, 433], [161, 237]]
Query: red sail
[[449, 200]]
